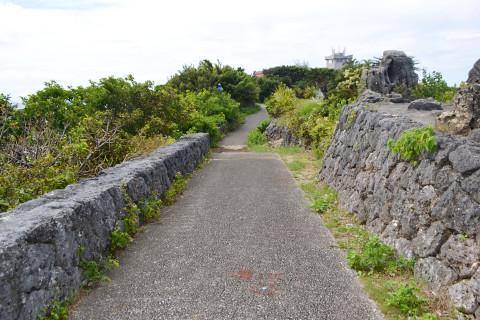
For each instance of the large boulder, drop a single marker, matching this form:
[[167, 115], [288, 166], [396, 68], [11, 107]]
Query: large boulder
[[466, 113], [474, 74], [428, 104], [394, 72], [279, 135]]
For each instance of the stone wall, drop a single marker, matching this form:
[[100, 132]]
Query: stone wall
[[279, 135], [39, 239], [431, 211]]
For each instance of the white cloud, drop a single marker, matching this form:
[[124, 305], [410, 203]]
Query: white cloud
[[74, 41]]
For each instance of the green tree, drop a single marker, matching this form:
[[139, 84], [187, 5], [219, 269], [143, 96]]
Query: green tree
[[434, 86]]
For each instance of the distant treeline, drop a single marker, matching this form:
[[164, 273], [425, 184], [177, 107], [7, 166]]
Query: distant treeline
[[305, 81]]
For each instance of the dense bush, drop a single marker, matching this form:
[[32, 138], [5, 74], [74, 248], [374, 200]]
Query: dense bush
[[64, 134], [302, 79], [267, 87], [241, 86], [434, 86], [281, 101]]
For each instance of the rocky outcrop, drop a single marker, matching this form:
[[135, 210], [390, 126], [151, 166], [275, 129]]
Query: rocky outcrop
[[279, 135], [394, 71], [40, 240], [428, 104], [474, 74], [466, 113], [430, 211]]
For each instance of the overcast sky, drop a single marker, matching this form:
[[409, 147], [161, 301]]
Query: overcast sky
[[75, 41]]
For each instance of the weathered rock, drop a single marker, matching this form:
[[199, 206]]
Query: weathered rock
[[428, 242], [466, 113], [435, 273], [428, 104], [474, 135], [396, 98], [463, 297], [279, 135], [461, 254], [466, 157], [40, 239], [395, 70], [471, 185], [474, 74], [369, 96]]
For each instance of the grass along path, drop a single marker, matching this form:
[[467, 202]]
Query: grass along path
[[388, 279]]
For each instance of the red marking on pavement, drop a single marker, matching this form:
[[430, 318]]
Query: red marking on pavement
[[244, 275], [264, 284]]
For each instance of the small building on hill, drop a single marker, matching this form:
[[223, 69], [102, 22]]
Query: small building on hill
[[337, 59], [258, 74]]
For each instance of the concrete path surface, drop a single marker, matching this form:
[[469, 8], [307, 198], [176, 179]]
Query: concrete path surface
[[239, 244]]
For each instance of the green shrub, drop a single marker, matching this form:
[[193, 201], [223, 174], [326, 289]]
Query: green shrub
[[130, 221], [434, 86], [241, 86], [256, 138], [262, 126], [309, 92], [282, 101], [406, 298], [374, 256], [152, 208], [267, 87], [175, 189], [119, 240], [56, 311], [323, 198], [92, 272], [413, 143]]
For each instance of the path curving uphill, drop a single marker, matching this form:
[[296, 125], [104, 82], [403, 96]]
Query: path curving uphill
[[239, 244]]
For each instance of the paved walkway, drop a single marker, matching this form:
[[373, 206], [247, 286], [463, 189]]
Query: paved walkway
[[239, 244]]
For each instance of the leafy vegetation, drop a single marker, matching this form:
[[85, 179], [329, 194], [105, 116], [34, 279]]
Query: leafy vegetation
[[434, 86], [175, 189], [374, 255], [413, 143], [151, 210], [119, 240], [281, 101], [64, 134], [240, 86], [256, 138], [406, 297], [92, 272], [323, 199], [56, 311], [262, 126]]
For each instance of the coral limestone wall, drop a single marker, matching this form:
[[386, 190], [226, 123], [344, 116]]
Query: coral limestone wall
[[39, 240], [430, 211]]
